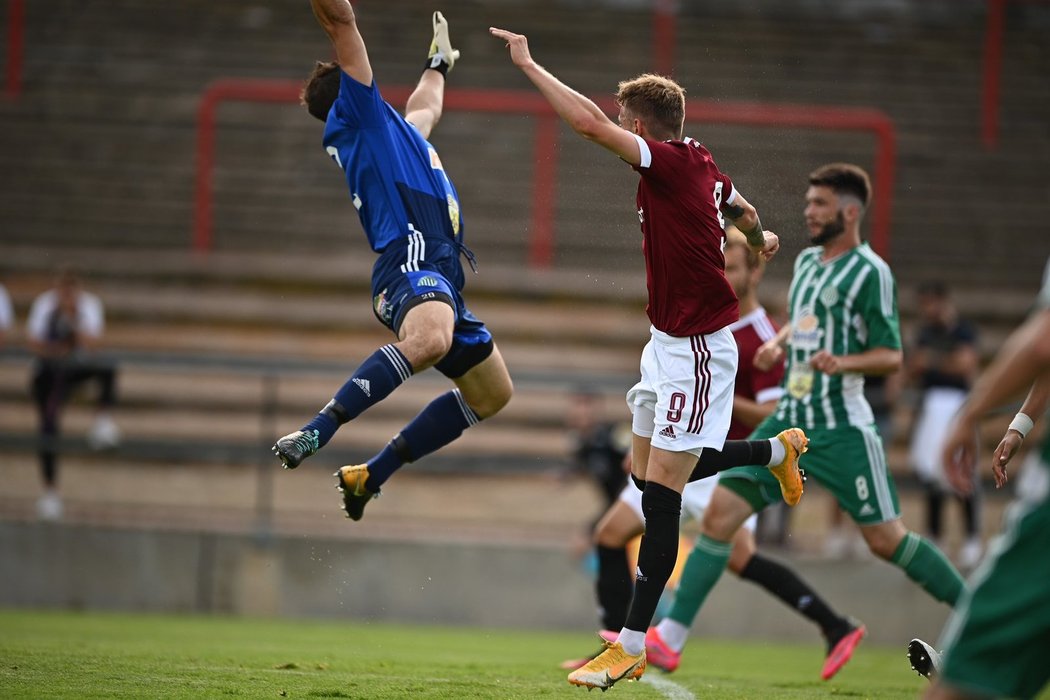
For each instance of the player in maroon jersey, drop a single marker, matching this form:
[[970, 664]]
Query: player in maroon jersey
[[684, 400]]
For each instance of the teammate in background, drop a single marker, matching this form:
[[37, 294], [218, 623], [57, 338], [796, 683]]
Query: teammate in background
[[683, 404], [755, 394], [409, 210], [943, 364], [995, 643], [64, 330], [843, 325]]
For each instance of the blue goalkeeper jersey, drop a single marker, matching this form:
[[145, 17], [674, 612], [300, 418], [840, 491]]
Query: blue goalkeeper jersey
[[396, 180]]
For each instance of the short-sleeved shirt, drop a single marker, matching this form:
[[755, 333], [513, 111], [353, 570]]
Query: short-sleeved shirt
[[680, 195], [750, 332], [945, 340], [48, 323], [846, 306], [396, 180]]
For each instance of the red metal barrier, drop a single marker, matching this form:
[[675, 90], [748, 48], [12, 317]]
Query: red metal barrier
[[991, 73], [544, 189], [16, 13]]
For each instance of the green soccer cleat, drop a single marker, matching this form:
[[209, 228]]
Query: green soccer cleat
[[293, 448]]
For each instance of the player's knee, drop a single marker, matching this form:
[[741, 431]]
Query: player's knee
[[424, 350], [882, 542], [493, 401]]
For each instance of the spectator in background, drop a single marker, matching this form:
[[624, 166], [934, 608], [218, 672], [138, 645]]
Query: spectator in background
[[64, 330], [598, 445], [942, 365], [7, 315]]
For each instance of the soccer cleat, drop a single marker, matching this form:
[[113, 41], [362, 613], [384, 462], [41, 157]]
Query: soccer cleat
[[573, 664], [659, 654], [842, 650], [293, 448], [788, 472], [925, 660], [441, 44], [609, 667], [104, 433], [352, 485]]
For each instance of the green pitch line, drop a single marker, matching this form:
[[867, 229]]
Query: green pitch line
[[83, 656]]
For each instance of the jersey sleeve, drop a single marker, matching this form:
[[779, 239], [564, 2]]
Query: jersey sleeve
[[879, 309], [358, 106], [658, 160], [765, 384], [36, 324]]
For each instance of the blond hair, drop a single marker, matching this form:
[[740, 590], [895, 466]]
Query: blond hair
[[657, 101]]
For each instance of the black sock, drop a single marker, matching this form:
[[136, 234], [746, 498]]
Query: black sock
[[613, 586], [662, 508], [735, 453], [796, 593]]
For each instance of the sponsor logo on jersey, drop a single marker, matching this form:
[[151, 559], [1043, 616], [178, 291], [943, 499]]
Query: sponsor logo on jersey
[[806, 333], [641, 216], [426, 281], [364, 385], [668, 433]]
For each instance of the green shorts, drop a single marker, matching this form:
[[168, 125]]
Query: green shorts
[[849, 462], [997, 640]]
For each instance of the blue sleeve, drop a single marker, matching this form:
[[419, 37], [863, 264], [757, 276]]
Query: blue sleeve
[[359, 106]]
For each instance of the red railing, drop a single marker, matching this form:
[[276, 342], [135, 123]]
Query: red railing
[[544, 190], [16, 16]]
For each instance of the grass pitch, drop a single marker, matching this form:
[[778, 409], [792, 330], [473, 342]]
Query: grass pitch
[[72, 655]]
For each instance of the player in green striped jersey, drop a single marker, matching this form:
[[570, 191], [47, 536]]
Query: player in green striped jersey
[[998, 637], [843, 325]]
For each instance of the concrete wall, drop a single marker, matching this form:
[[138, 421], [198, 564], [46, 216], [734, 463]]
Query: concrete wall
[[55, 566]]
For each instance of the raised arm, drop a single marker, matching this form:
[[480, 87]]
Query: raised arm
[[339, 22], [579, 112], [745, 217]]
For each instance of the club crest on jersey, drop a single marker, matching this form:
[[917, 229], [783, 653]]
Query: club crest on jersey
[[829, 296], [453, 213], [806, 333]]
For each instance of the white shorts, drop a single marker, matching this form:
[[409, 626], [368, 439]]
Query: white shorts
[[684, 401], [939, 406], [695, 498]]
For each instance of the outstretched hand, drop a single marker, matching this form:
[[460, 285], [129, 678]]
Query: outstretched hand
[[959, 455], [517, 43], [1003, 454]]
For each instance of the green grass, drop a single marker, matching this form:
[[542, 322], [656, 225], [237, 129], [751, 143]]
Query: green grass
[[73, 655]]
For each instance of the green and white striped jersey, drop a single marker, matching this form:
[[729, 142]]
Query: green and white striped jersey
[[1043, 302], [845, 306]]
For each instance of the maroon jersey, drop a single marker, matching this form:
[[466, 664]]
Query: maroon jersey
[[680, 195], [751, 382]]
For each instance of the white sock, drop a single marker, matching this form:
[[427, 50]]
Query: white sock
[[673, 633], [633, 641], [778, 452]]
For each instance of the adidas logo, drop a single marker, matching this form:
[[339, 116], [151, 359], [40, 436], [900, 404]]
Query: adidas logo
[[866, 509], [668, 433], [427, 281], [638, 575], [364, 386]]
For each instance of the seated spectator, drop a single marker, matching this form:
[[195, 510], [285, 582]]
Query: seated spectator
[[64, 330]]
